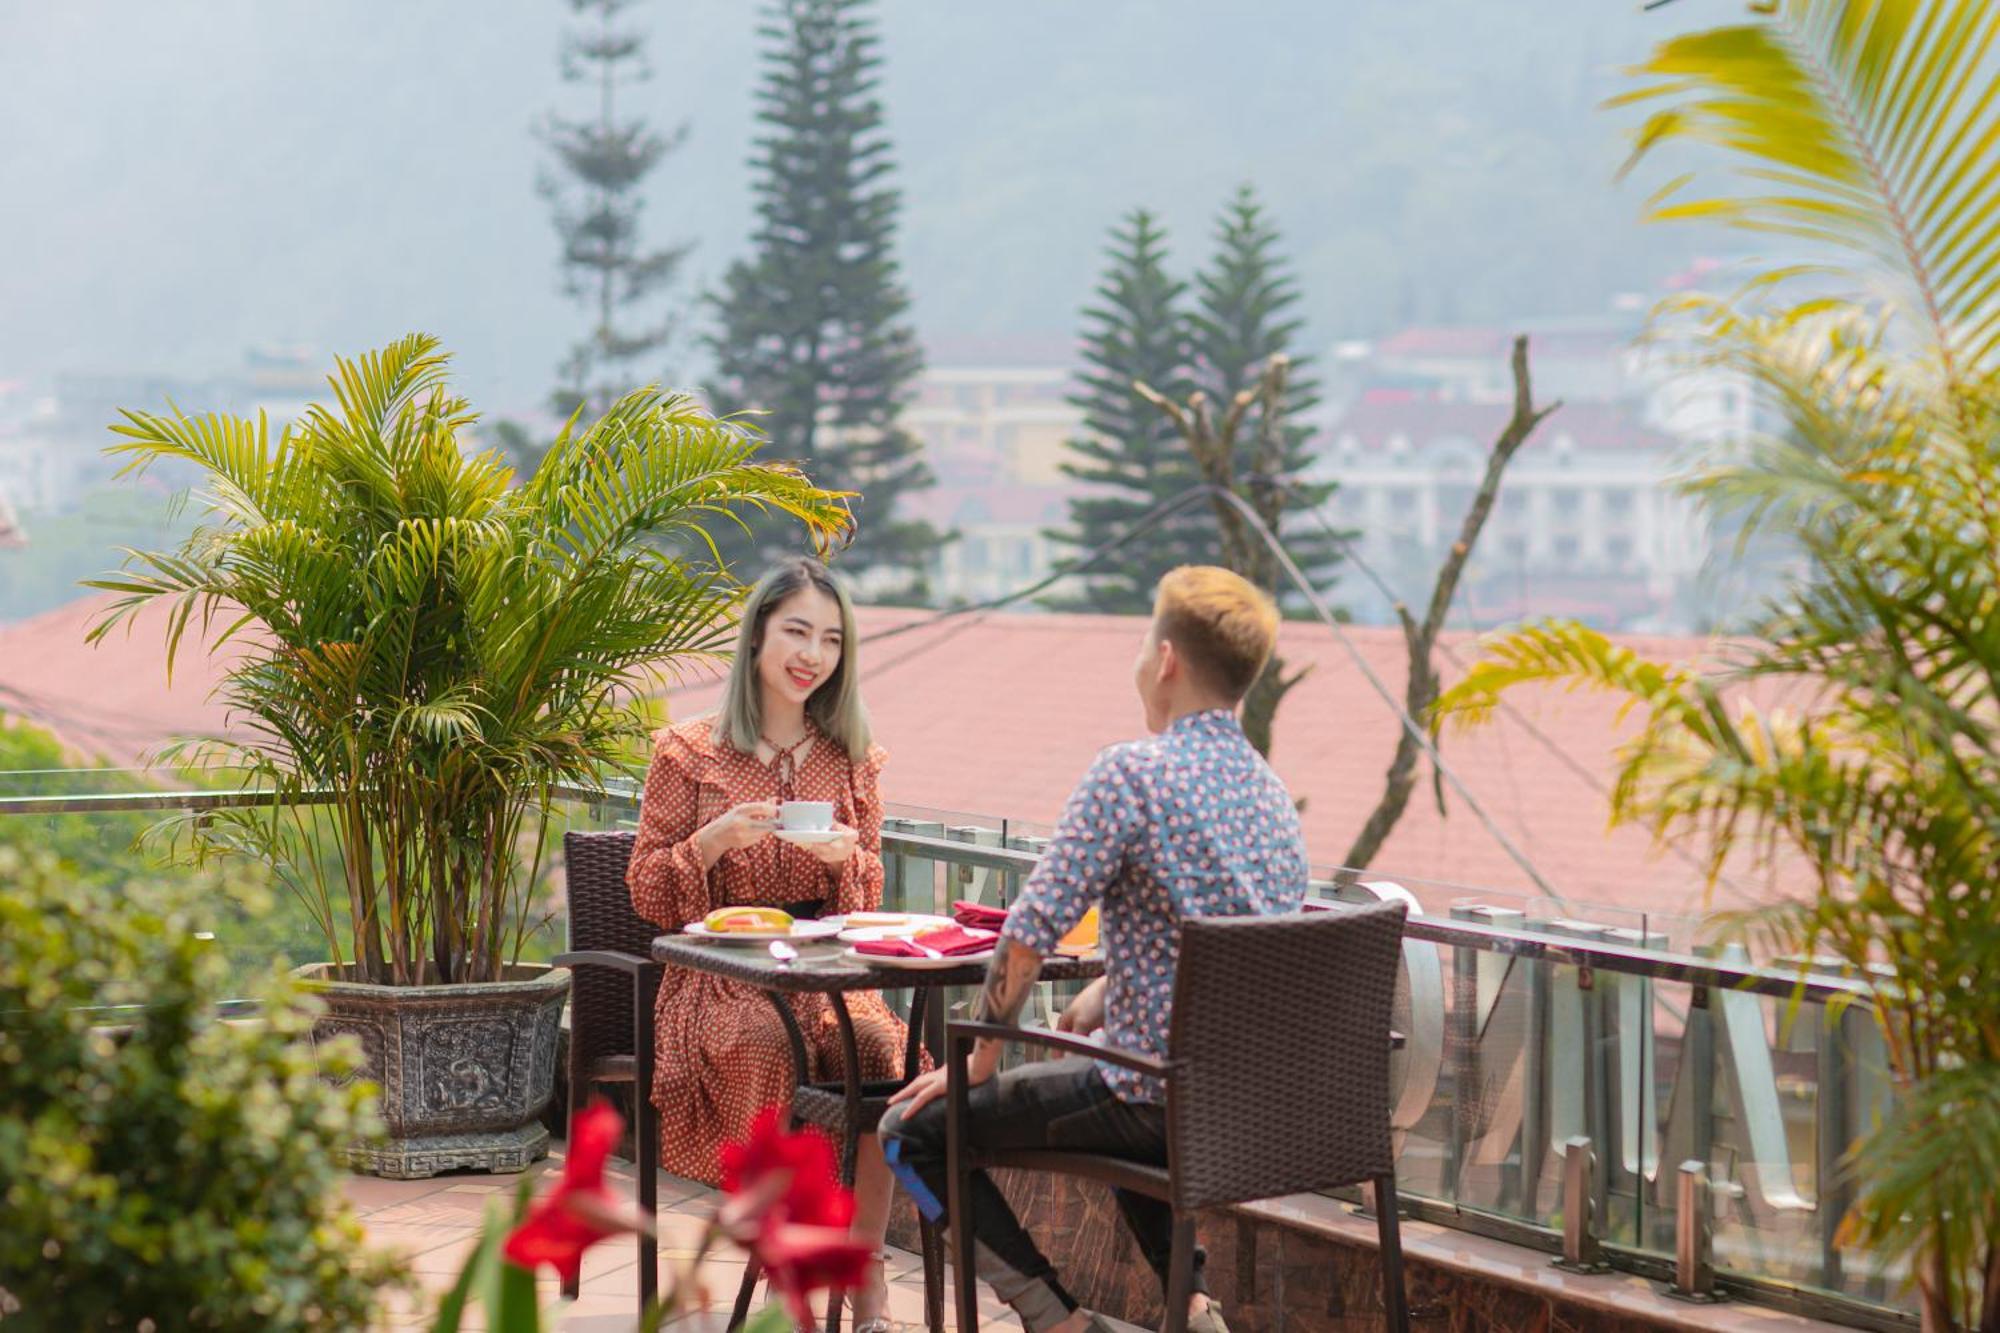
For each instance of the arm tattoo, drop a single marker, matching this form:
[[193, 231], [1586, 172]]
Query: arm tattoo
[[1009, 977]]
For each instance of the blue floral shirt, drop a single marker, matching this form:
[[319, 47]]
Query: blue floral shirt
[[1191, 822]]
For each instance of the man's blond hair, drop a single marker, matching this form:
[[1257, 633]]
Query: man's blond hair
[[1222, 625]]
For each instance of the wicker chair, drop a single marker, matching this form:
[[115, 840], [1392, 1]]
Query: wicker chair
[[1277, 1075], [613, 985], [613, 988]]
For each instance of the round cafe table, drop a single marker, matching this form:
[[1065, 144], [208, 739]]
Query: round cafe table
[[850, 1107], [824, 966]]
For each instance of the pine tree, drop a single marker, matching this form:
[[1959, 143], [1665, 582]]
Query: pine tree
[[1242, 319], [813, 327], [1131, 457], [606, 268]]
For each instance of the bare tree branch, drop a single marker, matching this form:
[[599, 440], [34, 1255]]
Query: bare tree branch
[[1214, 450], [1422, 688]]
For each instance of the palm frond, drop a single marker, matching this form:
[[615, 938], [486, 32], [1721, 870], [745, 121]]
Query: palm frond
[[437, 649], [1865, 129]]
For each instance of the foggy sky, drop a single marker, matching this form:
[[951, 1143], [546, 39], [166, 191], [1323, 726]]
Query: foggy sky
[[184, 179]]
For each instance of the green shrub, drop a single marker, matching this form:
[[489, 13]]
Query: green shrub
[[161, 1168]]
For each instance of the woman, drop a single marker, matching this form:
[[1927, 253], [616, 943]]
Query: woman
[[790, 727]]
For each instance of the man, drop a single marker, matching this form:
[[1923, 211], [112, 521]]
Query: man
[[1192, 822]]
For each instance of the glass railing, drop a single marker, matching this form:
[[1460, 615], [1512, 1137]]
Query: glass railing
[[1529, 1026]]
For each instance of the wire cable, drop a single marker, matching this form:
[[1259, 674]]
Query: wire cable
[[1576, 767], [1160, 513], [1410, 725]]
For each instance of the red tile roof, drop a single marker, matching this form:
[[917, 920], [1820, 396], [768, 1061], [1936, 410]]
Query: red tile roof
[[998, 716], [111, 701]]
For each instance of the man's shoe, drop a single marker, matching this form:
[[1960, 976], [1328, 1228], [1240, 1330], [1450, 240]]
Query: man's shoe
[[1208, 1321]]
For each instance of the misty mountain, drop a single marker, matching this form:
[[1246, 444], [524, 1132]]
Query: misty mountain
[[186, 179]]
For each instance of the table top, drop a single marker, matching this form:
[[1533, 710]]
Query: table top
[[823, 966]]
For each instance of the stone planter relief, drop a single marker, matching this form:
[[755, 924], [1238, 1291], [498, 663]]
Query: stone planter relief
[[465, 1070]]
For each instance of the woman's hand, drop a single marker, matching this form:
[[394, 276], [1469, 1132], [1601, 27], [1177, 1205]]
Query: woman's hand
[[738, 827], [1085, 1014], [834, 852]]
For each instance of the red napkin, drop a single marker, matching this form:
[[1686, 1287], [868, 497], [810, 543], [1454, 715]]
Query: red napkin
[[949, 941], [978, 915]]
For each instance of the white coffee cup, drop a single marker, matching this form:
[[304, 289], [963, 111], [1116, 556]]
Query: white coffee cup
[[806, 816]]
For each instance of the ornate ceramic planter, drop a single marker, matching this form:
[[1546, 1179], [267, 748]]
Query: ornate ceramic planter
[[465, 1070]]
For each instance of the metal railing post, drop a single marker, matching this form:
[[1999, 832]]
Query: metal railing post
[[1694, 1237], [1583, 1249]]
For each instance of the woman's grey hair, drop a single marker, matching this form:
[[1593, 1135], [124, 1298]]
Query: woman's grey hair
[[835, 707]]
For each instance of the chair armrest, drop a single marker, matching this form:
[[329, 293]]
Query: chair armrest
[[629, 963], [1074, 1043]]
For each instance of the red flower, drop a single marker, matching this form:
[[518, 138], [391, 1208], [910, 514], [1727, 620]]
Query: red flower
[[580, 1210], [802, 1260], [789, 1209], [802, 1166]]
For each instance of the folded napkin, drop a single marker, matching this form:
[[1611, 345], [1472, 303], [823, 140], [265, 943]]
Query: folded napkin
[[1078, 943], [968, 913], [945, 942]]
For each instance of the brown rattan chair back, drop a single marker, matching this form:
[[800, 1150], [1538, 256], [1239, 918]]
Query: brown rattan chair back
[[601, 917], [1280, 1038]]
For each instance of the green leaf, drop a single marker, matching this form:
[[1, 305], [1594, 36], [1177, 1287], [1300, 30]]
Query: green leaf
[[770, 1319], [477, 1275], [514, 1306]]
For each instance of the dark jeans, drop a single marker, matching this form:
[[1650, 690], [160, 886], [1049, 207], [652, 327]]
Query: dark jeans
[[1060, 1104]]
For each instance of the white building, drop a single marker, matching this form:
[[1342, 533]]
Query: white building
[[1002, 543], [1589, 521], [35, 474], [995, 424], [1008, 421]]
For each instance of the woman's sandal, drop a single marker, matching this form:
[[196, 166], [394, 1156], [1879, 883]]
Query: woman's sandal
[[880, 1323]]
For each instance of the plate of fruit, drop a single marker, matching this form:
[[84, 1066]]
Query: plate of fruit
[[757, 925]]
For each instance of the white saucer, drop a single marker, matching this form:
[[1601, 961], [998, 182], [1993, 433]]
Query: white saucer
[[806, 837]]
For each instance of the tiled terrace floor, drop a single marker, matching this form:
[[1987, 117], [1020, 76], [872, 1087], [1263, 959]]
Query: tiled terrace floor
[[436, 1224]]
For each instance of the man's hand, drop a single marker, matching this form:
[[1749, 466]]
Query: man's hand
[[1085, 1014], [1009, 977], [926, 1088]]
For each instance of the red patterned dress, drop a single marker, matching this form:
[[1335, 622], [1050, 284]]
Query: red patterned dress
[[723, 1055]]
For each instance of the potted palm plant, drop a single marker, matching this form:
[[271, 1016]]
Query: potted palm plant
[[1863, 130], [431, 652]]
